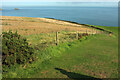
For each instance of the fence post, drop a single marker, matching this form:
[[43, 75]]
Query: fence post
[[77, 35], [92, 31], [86, 31], [102, 32], [56, 38], [96, 31]]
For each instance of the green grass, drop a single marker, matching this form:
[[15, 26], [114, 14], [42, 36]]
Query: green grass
[[44, 40], [43, 58], [113, 29], [96, 57]]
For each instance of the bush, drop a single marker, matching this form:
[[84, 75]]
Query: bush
[[15, 49]]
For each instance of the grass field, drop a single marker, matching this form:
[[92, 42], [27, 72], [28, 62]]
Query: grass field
[[28, 26], [96, 57], [41, 32]]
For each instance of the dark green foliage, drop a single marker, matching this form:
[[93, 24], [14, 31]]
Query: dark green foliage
[[15, 49]]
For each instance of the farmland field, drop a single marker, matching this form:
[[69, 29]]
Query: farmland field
[[93, 57]]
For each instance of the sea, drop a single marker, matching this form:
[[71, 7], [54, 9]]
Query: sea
[[101, 16]]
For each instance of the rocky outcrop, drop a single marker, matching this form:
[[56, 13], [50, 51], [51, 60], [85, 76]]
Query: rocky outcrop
[[16, 8]]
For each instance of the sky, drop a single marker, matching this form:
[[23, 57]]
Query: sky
[[60, 0], [106, 3]]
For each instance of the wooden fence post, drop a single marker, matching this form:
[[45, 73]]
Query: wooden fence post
[[92, 31], [96, 31], [77, 35], [86, 31], [56, 38], [102, 32]]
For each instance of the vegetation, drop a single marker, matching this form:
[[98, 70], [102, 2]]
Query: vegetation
[[34, 26], [5, 23], [92, 56], [15, 50], [43, 56], [96, 57]]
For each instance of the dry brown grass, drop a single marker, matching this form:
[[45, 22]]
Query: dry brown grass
[[28, 25]]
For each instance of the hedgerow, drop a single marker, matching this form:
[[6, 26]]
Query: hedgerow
[[15, 49]]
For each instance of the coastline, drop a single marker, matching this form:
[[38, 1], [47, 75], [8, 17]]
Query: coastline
[[87, 25], [54, 21], [30, 25]]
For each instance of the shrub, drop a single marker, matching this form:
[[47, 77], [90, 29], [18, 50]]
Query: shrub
[[15, 49], [85, 34]]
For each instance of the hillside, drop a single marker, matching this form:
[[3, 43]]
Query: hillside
[[92, 56], [29, 25]]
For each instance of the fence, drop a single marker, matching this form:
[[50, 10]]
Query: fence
[[44, 40], [55, 38], [75, 35]]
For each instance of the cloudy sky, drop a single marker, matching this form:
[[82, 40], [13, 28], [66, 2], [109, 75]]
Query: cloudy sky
[[62, 3]]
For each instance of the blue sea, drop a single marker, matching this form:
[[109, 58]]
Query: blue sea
[[102, 16]]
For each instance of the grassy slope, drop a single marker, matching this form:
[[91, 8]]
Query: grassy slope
[[96, 57], [30, 26]]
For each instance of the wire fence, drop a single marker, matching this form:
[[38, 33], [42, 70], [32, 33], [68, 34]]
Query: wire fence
[[61, 37], [56, 38]]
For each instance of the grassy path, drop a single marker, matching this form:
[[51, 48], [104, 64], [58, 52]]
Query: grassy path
[[96, 57]]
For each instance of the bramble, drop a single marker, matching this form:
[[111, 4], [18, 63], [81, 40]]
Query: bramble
[[15, 49]]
